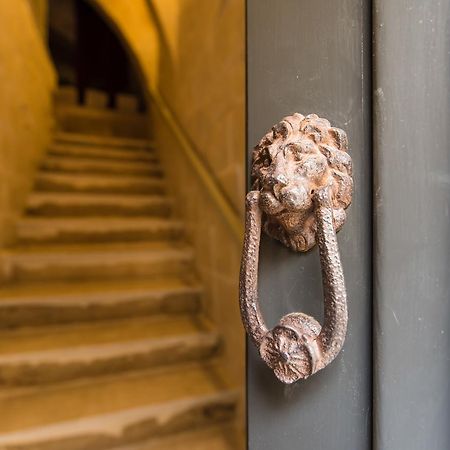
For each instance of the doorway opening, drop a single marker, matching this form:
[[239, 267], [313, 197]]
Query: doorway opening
[[89, 56]]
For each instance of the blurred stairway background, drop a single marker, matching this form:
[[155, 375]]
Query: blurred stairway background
[[102, 343]]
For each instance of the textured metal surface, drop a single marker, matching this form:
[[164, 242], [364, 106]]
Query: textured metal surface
[[312, 56], [293, 160], [412, 225], [302, 181]]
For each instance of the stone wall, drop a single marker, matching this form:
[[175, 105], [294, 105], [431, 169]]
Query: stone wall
[[40, 11], [27, 80], [202, 79]]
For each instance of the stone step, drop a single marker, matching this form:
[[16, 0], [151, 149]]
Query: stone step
[[97, 261], [56, 182], [40, 304], [212, 438], [67, 164], [104, 412], [102, 141], [31, 356], [101, 121], [96, 229], [69, 204], [102, 153], [68, 96]]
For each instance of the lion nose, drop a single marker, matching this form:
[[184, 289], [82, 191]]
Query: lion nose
[[296, 198], [281, 179]]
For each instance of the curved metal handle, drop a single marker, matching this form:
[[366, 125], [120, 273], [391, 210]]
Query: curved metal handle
[[299, 208]]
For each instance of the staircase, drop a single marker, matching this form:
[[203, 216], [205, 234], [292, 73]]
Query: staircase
[[102, 340]]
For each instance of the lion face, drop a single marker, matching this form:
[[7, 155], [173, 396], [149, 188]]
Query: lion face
[[301, 154]]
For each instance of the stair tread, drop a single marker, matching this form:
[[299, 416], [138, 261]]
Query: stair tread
[[92, 249], [120, 260], [96, 110], [123, 398], [103, 254], [97, 221], [216, 438], [44, 303], [99, 179], [65, 204], [45, 226], [54, 354], [87, 197], [19, 344], [88, 139], [71, 159], [126, 184], [87, 292], [101, 152], [70, 164]]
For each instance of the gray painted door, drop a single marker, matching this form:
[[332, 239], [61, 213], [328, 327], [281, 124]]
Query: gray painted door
[[316, 57], [313, 57], [412, 223]]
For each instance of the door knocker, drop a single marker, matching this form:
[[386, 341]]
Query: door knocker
[[302, 184]]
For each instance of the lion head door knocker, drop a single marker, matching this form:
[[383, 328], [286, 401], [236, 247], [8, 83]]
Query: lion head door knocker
[[302, 184]]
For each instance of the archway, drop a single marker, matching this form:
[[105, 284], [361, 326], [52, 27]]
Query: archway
[[88, 53]]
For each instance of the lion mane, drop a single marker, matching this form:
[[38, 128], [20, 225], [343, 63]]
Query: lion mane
[[298, 156]]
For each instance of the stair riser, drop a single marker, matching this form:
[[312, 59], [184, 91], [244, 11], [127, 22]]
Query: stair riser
[[61, 209], [108, 270], [201, 414], [104, 142], [137, 187], [42, 314], [53, 372], [218, 437], [78, 236], [117, 127], [94, 168], [102, 153]]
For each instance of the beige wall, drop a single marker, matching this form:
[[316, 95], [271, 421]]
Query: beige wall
[[191, 53], [40, 11], [201, 77], [27, 80], [204, 81]]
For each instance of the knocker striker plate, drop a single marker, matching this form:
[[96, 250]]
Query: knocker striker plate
[[302, 185]]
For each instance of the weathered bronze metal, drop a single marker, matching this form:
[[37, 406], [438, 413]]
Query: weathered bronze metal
[[302, 184]]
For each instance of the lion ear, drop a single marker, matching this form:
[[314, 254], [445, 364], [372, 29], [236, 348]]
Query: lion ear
[[296, 121], [282, 129], [339, 137]]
